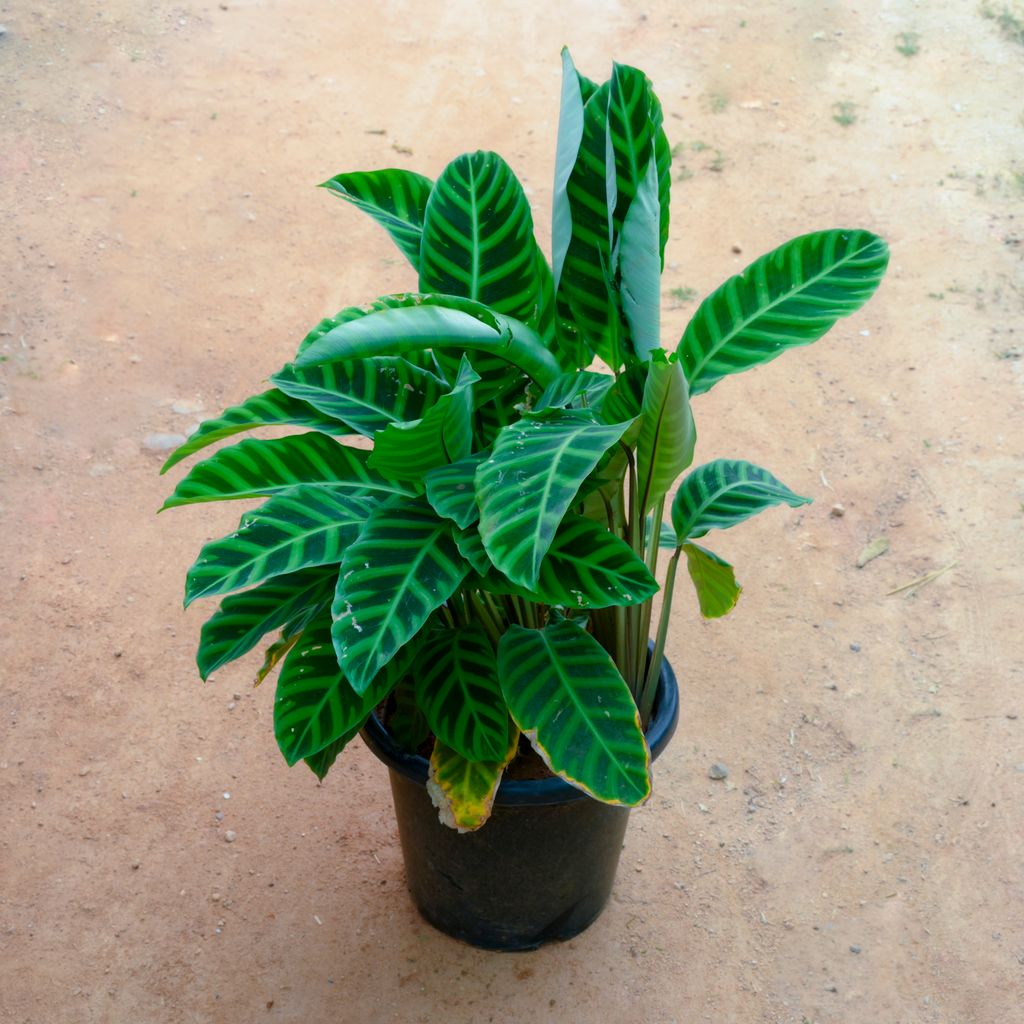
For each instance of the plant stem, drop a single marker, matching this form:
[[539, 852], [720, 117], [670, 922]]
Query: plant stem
[[650, 686], [487, 619]]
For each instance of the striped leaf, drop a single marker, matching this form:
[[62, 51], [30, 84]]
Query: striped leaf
[[581, 389], [585, 567], [525, 488], [368, 395], [667, 432], [471, 547], [435, 321], [322, 761], [478, 238], [463, 791], [315, 706], [457, 690], [723, 493], [253, 468], [570, 134], [306, 527], [639, 265], [789, 297], [273, 408], [406, 451], [450, 489], [403, 566], [244, 619], [276, 652], [400, 300], [714, 581], [566, 695], [395, 199]]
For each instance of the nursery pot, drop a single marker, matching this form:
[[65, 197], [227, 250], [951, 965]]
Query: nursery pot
[[542, 867]]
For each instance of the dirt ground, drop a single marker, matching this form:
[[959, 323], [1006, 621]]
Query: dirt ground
[[163, 249]]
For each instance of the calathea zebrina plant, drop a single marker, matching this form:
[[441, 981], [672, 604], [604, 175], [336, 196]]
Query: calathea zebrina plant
[[488, 566]]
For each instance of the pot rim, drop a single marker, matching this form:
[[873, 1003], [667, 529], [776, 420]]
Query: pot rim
[[532, 792]]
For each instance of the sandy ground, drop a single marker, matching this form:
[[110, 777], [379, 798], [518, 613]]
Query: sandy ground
[[162, 244]]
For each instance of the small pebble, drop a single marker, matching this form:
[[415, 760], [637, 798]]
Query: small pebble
[[236, 696], [219, 815], [186, 407], [3, 30], [718, 771], [855, 949], [837, 511], [163, 442], [136, 865], [229, 836], [215, 897], [855, 647], [231, 705], [737, 248]]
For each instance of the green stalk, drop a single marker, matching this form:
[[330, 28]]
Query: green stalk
[[654, 669], [487, 620]]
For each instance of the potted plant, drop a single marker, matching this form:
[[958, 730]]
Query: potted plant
[[474, 592]]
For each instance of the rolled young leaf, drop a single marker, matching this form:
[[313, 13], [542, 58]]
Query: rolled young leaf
[[395, 199], [667, 432], [566, 695], [723, 493], [403, 566], [789, 297]]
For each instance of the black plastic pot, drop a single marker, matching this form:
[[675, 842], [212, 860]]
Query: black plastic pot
[[540, 870]]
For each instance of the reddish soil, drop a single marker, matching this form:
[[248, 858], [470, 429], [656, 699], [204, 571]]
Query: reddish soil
[[163, 244]]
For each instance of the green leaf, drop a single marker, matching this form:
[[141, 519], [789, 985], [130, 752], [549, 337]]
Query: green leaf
[[570, 134], [315, 706], [667, 432], [368, 395], [585, 567], [407, 725], [276, 652], [525, 488], [789, 297], [666, 535], [273, 408], [478, 238], [253, 468], [471, 547], [437, 321], [457, 690], [463, 791], [723, 493], [450, 489], [322, 761], [395, 199], [580, 389], [244, 619], [565, 693], [406, 451], [403, 566], [400, 300], [306, 527], [639, 265], [714, 580]]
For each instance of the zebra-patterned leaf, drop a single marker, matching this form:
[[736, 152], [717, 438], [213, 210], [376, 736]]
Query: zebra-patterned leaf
[[273, 408], [723, 493], [581, 389], [463, 791], [400, 300], [315, 706], [478, 238], [322, 761], [471, 547], [566, 695], [404, 565], [667, 433], [457, 690], [788, 297], [531, 479], [585, 567], [368, 395], [714, 580], [306, 527], [395, 199], [244, 619], [253, 468], [450, 489], [435, 322], [406, 451]]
